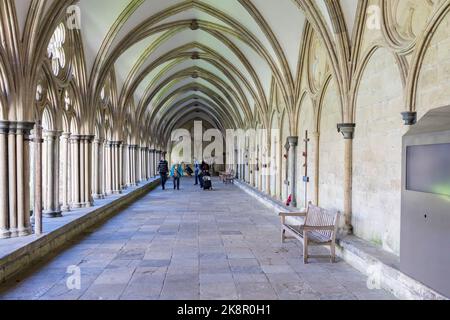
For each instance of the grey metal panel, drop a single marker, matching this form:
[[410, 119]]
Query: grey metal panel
[[425, 231]]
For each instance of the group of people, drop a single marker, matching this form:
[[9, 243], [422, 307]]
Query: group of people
[[201, 172]]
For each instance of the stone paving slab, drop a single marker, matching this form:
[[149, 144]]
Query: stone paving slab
[[190, 245]]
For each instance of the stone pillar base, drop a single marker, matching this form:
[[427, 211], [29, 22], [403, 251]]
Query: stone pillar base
[[5, 234], [65, 208], [25, 232], [76, 206], [52, 214], [87, 205], [346, 230], [98, 196], [117, 192]]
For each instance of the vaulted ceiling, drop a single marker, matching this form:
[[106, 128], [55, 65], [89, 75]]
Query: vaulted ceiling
[[219, 58]]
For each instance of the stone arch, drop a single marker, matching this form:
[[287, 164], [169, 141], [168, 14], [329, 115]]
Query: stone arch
[[306, 122], [430, 89], [331, 151], [377, 166]]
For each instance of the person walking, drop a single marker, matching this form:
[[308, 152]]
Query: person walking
[[163, 169], [196, 171], [176, 173]]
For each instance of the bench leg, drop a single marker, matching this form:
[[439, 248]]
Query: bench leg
[[333, 253], [305, 250], [283, 236]]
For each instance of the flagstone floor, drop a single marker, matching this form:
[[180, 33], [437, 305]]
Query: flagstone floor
[[189, 245]]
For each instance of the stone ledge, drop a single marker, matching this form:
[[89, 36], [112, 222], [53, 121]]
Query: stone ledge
[[364, 257], [29, 250], [383, 266]]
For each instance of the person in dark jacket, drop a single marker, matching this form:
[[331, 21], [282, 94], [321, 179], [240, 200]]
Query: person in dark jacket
[[163, 169]]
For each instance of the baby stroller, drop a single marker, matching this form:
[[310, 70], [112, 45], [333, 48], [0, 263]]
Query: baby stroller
[[207, 182]]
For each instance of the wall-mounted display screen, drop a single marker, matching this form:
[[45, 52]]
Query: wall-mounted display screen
[[428, 169]]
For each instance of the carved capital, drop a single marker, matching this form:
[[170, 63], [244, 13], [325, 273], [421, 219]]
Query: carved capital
[[347, 130], [292, 141], [410, 118]]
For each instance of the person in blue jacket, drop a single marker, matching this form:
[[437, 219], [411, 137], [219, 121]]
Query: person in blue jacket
[[197, 171], [176, 173]]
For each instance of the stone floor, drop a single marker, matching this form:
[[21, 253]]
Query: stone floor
[[190, 245]]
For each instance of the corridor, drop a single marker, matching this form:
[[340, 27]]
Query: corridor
[[189, 245]]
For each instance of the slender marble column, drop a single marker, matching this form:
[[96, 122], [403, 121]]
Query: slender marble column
[[51, 177], [125, 172], [98, 168], [12, 180], [116, 167], [23, 177], [105, 167], [152, 164], [4, 212], [120, 173], [75, 178], [65, 152], [293, 143], [82, 172], [38, 212], [348, 131], [315, 138], [88, 199]]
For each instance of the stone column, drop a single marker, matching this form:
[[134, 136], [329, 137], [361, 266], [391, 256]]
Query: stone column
[[23, 177], [108, 168], [125, 171], [152, 163], [65, 148], [88, 199], [51, 175], [348, 131], [120, 173], [75, 175], [157, 159], [293, 143], [38, 212], [12, 180], [132, 165], [104, 168], [97, 169], [116, 167], [4, 212], [315, 138]]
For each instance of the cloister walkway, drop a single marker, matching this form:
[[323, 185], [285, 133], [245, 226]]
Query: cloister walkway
[[190, 245]]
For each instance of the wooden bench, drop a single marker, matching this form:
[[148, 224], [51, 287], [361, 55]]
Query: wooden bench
[[319, 229], [227, 177]]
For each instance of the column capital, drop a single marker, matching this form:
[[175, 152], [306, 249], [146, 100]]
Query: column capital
[[52, 134], [75, 137], [65, 135], [99, 140], [115, 143], [409, 118], [347, 130], [293, 141], [5, 126], [88, 138], [24, 127]]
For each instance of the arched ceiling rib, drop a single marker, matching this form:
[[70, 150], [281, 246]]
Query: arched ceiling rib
[[223, 55]]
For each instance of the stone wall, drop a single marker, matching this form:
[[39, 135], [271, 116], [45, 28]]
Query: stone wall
[[331, 158], [377, 153]]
